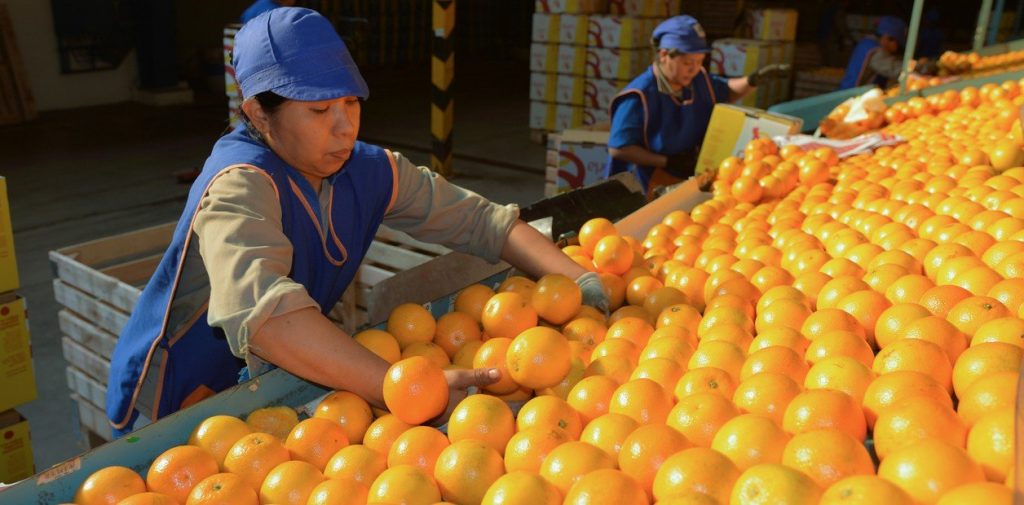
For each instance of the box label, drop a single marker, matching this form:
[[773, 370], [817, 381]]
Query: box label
[[8, 263], [573, 29], [17, 380], [543, 57], [732, 127], [545, 27]]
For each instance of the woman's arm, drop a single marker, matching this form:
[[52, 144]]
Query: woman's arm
[[531, 252], [638, 155]]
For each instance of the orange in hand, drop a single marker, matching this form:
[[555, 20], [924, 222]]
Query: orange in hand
[[415, 390]]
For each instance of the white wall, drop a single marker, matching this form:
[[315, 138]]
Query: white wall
[[37, 42]]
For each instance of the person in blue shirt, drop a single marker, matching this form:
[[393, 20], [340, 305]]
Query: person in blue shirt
[[659, 119], [930, 38], [876, 60], [260, 6]]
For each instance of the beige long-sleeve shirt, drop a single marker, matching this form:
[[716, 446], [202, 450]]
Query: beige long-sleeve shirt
[[239, 258]]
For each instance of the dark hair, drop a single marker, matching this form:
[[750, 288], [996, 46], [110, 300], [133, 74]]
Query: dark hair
[[270, 102]]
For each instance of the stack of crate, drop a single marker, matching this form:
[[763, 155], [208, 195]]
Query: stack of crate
[[773, 39], [583, 53], [17, 380], [231, 89]]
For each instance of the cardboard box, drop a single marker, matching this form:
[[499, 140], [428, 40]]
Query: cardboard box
[[569, 89], [774, 24], [545, 27], [592, 116], [571, 6], [543, 86], [15, 448], [739, 57], [8, 263], [572, 29], [620, 32], [582, 156], [543, 57], [598, 93], [732, 127], [645, 8], [571, 59], [623, 64], [551, 116], [17, 380]]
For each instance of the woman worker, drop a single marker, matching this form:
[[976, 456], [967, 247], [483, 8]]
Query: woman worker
[[276, 225], [659, 119]]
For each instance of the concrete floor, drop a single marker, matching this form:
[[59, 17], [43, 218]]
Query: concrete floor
[[83, 174]]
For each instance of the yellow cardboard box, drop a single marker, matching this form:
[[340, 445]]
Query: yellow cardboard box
[[543, 86], [582, 156], [572, 29], [645, 8], [624, 64], [571, 59], [545, 27], [17, 381], [8, 263], [774, 24], [620, 32], [543, 57], [554, 116], [15, 448], [732, 127], [569, 89], [571, 6]]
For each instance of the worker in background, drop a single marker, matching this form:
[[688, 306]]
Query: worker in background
[[876, 59], [930, 37], [260, 6], [659, 119], [276, 225]]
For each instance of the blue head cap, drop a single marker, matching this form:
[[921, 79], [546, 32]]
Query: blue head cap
[[682, 33], [893, 27]]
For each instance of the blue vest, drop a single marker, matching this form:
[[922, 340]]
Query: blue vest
[[855, 70], [671, 126], [197, 361]]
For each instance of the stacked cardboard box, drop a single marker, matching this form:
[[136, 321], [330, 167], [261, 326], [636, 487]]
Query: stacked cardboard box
[[575, 158], [773, 42], [17, 379]]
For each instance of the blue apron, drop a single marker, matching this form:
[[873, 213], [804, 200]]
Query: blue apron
[[196, 362], [858, 64], [671, 126]]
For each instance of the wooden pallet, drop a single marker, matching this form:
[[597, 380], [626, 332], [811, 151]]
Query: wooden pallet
[[16, 101]]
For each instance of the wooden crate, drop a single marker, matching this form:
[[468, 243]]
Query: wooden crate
[[99, 282]]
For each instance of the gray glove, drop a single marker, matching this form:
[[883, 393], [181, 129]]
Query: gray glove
[[769, 73], [593, 291]]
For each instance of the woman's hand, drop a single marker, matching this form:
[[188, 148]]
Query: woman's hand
[[593, 291], [459, 382]]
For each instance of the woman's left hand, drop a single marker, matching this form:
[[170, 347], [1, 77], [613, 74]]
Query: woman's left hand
[[593, 291], [459, 384]]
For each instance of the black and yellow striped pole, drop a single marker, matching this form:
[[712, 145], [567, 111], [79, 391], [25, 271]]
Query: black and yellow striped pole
[[442, 71]]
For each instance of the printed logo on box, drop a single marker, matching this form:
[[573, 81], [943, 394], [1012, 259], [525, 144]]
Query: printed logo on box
[[598, 93], [619, 32], [573, 29], [545, 27], [581, 164], [543, 57], [571, 59]]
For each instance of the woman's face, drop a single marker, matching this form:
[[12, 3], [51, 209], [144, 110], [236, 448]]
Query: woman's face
[[316, 138], [681, 68]]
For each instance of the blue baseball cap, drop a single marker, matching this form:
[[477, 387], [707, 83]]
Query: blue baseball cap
[[682, 33], [295, 53], [893, 27]]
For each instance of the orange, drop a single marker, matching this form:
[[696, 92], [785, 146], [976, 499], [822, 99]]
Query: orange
[[507, 315], [606, 486], [223, 488], [696, 469], [978, 492], [464, 358], [718, 354], [840, 373], [315, 440], [780, 337], [516, 284], [576, 371], [767, 394], [940, 299], [914, 419], [454, 329], [893, 321], [254, 456], [613, 255], [731, 333], [683, 316], [217, 434], [775, 359], [929, 468], [179, 469], [827, 456], [825, 409], [380, 343], [663, 298], [349, 410], [640, 288], [569, 462], [991, 443], [908, 289], [987, 394], [984, 359], [471, 300], [609, 432], [618, 368], [894, 388], [646, 449], [630, 311], [1010, 293], [617, 348], [971, 313], [410, 323], [784, 313], [633, 329], [699, 416], [715, 316], [538, 358], [465, 470], [549, 412], [383, 432], [750, 439], [774, 483], [527, 449], [339, 492], [482, 417], [864, 490], [591, 397], [938, 331], [405, 484], [419, 446], [557, 298], [676, 349], [290, 483], [1009, 330], [109, 485], [688, 498], [705, 380], [825, 320], [840, 343], [644, 400], [522, 488], [593, 231], [866, 307], [356, 463], [586, 331], [429, 350], [276, 421], [494, 354], [148, 498], [415, 390], [915, 355]]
